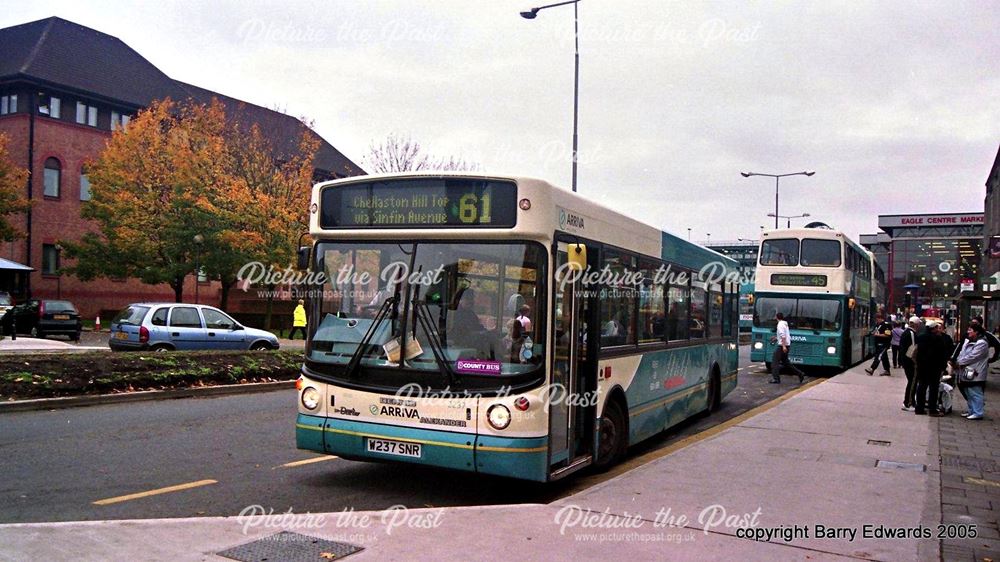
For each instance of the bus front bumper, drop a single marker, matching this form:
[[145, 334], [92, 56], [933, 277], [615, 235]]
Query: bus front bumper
[[525, 458]]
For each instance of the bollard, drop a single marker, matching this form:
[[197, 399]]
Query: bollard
[[97, 324]]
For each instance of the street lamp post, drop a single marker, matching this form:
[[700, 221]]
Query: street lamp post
[[689, 235], [532, 14], [198, 240], [803, 215], [776, 178]]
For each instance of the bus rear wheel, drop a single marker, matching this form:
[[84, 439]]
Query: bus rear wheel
[[611, 445]]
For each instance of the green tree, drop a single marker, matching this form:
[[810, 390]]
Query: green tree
[[153, 189], [182, 173]]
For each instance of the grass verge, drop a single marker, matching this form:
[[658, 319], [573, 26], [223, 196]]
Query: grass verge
[[24, 376]]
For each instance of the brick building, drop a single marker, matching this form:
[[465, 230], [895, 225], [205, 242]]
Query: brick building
[[63, 89]]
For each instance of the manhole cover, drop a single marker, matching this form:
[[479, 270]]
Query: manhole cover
[[902, 465], [290, 547]]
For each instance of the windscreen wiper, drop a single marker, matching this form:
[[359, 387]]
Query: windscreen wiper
[[383, 311], [423, 315]]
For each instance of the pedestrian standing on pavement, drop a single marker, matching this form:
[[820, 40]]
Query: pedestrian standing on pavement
[[298, 320], [883, 337], [906, 341], [897, 331], [779, 359], [971, 370], [933, 351]]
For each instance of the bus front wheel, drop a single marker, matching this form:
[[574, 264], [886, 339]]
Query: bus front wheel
[[612, 442]]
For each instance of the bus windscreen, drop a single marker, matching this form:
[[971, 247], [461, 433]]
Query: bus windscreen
[[803, 314]]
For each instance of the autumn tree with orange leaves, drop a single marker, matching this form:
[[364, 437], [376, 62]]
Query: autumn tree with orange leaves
[[183, 170], [12, 184]]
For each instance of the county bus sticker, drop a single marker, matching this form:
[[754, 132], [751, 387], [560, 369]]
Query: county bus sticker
[[477, 367]]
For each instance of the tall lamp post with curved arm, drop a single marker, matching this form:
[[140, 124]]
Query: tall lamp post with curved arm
[[789, 217], [776, 178], [532, 14]]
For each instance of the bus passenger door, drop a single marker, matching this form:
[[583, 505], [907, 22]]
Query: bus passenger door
[[573, 375]]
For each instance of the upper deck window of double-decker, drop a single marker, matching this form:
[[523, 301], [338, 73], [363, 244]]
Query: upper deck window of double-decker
[[817, 252], [780, 251]]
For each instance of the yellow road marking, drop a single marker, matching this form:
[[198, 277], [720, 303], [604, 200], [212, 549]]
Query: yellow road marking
[[584, 483], [307, 461], [981, 482], [156, 492]]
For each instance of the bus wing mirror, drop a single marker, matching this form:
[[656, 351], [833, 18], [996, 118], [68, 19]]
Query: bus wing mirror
[[577, 256], [302, 263]]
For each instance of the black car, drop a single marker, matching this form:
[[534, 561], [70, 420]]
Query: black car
[[42, 317]]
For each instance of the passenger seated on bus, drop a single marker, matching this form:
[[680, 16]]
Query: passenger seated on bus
[[613, 332], [464, 328]]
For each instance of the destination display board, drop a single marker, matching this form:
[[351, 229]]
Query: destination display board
[[797, 280], [420, 203]]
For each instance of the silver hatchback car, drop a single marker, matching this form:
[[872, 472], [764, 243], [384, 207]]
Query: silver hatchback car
[[180, 326]]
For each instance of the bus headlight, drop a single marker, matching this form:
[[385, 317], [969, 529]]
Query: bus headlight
[[758, 345], [831, 350], [499, 416], [310, 398]]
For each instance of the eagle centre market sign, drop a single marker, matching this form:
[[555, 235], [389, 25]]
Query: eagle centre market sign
[[961, 219]]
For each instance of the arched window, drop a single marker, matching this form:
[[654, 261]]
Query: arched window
[[53, 171]]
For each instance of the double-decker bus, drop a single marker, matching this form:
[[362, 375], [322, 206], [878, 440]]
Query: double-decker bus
[[878, 305], [822, 282], [500, 325]]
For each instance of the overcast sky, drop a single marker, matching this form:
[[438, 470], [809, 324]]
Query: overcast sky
[[895, 105]]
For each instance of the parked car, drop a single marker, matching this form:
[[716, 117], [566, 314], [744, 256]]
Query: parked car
[[44, 317], [179, 326]]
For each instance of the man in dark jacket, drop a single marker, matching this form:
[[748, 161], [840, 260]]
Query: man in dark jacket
[[933, 351], [906, 341], [883, 337]]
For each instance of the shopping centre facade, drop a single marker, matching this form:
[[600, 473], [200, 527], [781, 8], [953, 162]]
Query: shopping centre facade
[[930, 260]]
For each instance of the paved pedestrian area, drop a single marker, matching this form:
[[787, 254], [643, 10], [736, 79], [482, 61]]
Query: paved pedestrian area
[[835, 471], [970, 478]]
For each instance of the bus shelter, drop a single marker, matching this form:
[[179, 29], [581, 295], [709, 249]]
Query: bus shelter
[[971, 305], [14, 279]]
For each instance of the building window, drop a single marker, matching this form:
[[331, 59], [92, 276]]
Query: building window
[[8, 104], [50, 259], [49, 105], [84, 186], [119, 120], [86, 114], [52, 172]]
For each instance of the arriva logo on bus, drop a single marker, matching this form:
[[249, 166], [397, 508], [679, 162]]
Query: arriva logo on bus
[[569, 221]]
